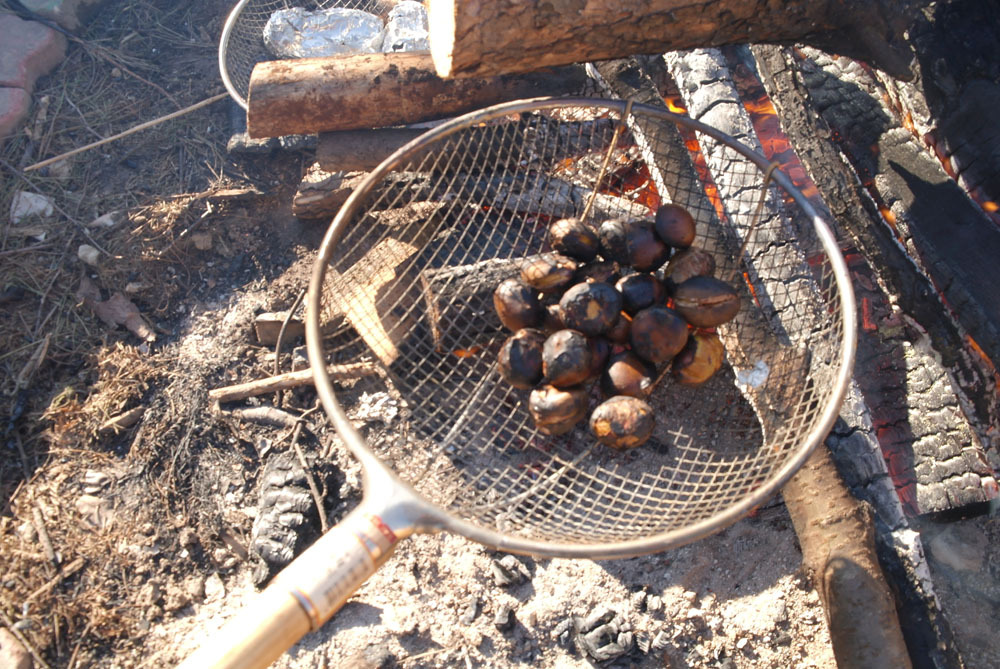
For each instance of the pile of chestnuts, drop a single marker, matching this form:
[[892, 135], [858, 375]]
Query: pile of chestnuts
[[619, 304]]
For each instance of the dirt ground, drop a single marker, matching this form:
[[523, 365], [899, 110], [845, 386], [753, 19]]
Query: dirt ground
[[126, 546]]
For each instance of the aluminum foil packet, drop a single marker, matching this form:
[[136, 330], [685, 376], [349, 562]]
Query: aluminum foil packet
[[406, 28], [300, 33]]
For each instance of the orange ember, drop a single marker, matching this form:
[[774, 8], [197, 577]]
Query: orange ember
[[985, 358], [675, 104], [991, 207], [753, 291], [467, 352]]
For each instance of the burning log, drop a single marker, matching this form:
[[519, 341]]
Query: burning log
[[942, 376], [851, 541], [485, 38], [290, 97]]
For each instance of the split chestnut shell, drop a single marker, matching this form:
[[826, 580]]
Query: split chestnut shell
[[556, 410], [591, 308]]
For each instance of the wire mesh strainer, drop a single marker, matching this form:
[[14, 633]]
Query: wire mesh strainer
[[404, 282], [242, 43]]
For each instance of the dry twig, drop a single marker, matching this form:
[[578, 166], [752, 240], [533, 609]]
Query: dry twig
[[302, 377]]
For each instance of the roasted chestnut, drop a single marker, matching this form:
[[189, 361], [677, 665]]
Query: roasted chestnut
[[517, 305], [599, 270], [520, 359], [574, 238], [622, 422], [600, 350], [705, 301], [590, 308], [639, 291], [552, 320], [658, 334], [567, 358], [557, 410], [619, 332], [674, 225], [686, 264], [628, 374], [548, 272], [701, 358], [632, 242]]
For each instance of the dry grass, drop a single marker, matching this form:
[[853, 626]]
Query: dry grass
[[64, 373]]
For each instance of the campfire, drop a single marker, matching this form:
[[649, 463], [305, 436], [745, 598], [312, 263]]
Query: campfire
[[892, 154]]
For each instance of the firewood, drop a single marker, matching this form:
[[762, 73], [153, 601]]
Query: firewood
[[460, 299], [836, 534], [361, 150], [377, 90], [321, 194], [481, 38]]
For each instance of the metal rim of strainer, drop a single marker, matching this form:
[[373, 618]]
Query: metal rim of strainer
[[435, 517]]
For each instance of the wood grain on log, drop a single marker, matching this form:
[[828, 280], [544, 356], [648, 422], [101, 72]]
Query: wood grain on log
[[376, 90], [489, 37]]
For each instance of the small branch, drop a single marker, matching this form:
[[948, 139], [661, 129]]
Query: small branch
[[309, 477], [130, 131], [64, 573], [303, 377], [43, 535]]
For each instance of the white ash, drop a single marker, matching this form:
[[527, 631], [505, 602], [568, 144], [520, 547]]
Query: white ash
[[406, 28], [299, 33], [375, 406]]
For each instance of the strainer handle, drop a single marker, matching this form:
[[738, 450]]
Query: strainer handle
[[302, 597]]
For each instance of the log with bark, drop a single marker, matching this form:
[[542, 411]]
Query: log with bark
[[377, 90], [486, 37]]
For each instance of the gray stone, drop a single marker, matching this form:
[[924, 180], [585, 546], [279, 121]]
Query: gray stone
[[504, 619], [28, 50]]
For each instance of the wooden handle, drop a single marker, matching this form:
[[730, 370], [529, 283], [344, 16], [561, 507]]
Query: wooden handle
[[302, 597]]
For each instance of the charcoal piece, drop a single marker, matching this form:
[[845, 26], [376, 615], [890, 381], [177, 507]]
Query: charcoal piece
[[287, 519], [503, 619], [469, 611], [509, 571]]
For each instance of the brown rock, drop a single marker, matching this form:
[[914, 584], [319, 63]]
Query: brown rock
[[28, 50], [14, 106]]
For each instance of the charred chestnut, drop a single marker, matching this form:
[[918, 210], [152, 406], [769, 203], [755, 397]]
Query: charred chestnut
[[574, 238], [520, 359], [658, 334], [552, 320], [517, 305], [628, 374], [548, 272], [567, 358], [640, 291], [590, 308], [705, 301], [622, 422], [605, 271], [686, 264], [674, 225], [600, 349], [619, 332], [633, 242], [701, 358], [557, 410]]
